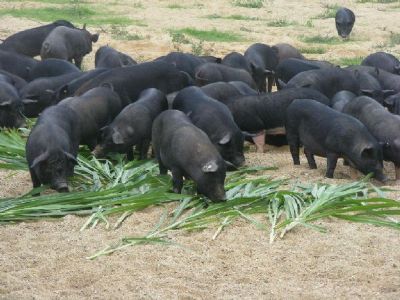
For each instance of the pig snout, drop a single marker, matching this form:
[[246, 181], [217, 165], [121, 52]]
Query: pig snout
[[61, 187], [238, 161], [218, 195]]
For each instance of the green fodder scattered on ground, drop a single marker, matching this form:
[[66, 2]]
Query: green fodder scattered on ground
[[348, 61], [281, 23], [76, 14], [249, 3], [101, 188], [209, 35], [312, 50], [233, 17]]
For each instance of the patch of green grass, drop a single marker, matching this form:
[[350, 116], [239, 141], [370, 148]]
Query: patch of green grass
[[76, 14], [394, 39], [138, 4], [313, 50], [319, 39], [210, 35], [248, 3], [281, 23], [330, 11], [233, 17], [77, 2], [176, 6], [122, 34], [309, 23], [348, 61], [245, 29], [178, 38], [377, 1]]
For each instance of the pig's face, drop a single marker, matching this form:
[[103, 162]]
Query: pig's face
[[211, 181], [370, 160], [391, 151], [53, 168], [344, 25], [111, 141]]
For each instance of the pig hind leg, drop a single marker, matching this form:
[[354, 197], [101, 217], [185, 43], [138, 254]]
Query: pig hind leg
[[163, 169], [294, 145], [331, 160], [310, 159]]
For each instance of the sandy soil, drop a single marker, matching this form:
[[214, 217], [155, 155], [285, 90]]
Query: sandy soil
[[47, 260]]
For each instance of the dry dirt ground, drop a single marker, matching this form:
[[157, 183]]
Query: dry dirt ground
[[46, 260]]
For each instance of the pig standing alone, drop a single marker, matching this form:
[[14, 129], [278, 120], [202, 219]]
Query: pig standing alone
[[344, 20], [184, 149]]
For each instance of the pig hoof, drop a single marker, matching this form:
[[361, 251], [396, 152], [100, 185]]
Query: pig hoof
[[260, 149]]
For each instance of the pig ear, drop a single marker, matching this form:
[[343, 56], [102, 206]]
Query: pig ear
[[210, 167], [387, 93], [108, 85], [71, 157], [29, 101], [84, 26], [117, 137], [269, 72], [41, 158], [5, 103], [282, 84], [49, 92], [389, 101], [95, 37], [225, 139], [367, 92], [187, 76]]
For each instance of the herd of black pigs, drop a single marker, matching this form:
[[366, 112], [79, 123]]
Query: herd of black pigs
[[196, 111]]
